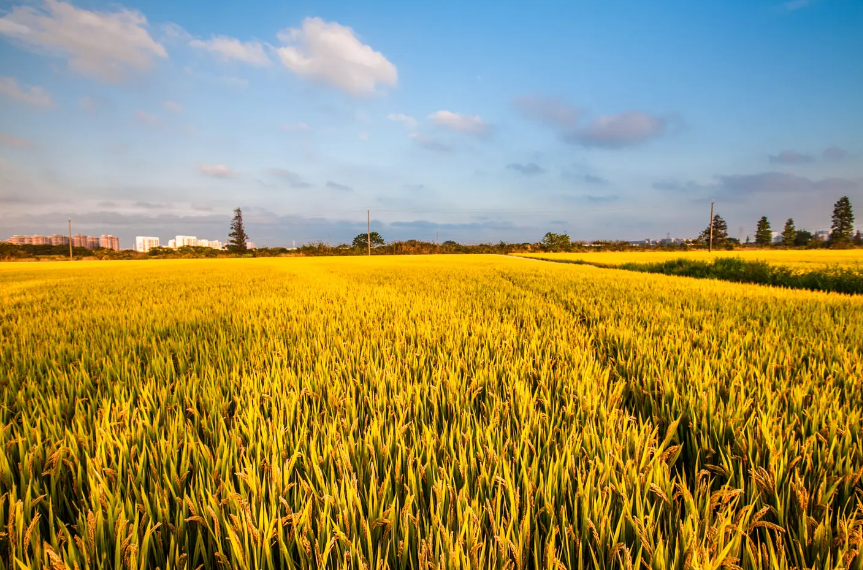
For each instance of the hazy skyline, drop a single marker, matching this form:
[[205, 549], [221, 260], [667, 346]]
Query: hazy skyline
[[480, 122]]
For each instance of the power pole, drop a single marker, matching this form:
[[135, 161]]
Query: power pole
[[437, 237], [70, 239], [710, 246], [369, 230]]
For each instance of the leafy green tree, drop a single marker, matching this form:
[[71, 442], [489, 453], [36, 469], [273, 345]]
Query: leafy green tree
[[450, 242], [789, 233], [858, 238], [362, 240], [843, 222], [802, 237], [763, 235], [238, 237], [720, 232], [556, 242]]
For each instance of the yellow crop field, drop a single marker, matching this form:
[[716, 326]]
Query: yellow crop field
[[424, 412], [798, 259]]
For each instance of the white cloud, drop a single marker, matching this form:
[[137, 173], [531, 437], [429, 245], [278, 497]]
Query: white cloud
[[101, 45], [409, 122], [471, 124], [215, 170], [301, 126], [172, 106], [233, 49], [9, 140], [330, 53], [34, 96]]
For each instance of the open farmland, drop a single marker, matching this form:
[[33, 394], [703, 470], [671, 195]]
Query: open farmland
[[424, 412], [794, 258]]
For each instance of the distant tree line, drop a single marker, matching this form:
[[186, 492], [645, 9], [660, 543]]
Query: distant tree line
[[841, 236]]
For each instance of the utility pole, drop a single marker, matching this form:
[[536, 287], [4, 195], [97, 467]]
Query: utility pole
[[70, 239], [437, 237], [710, 246], [369, 230]]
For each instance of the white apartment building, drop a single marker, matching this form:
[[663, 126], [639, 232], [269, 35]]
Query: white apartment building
[[181, 241], [145, 244], [215, 244]]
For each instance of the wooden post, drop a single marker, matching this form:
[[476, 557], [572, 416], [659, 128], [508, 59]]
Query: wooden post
[[70, 240], [369, 230], [710, 246]]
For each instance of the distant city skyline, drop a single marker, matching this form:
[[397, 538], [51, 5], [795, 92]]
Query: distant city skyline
[[603, 120]]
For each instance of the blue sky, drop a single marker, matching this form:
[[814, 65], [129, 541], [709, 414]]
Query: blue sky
[[480, 122]]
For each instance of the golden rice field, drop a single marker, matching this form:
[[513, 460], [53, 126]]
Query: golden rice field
[[798, 259], [424, 412]]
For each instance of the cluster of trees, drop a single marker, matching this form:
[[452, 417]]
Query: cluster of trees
[[841, 235]]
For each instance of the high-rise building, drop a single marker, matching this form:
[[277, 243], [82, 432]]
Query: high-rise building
[[79, 240], [109, 242], [250, 244], [145, 244], [92, 242], [180, 241], [21, 240], [172, 243], [58, 239], [40, 240]]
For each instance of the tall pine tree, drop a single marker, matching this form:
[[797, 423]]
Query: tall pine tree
[[789, 233], [843, 222], [238, 236], [720, 232], [763, 236]]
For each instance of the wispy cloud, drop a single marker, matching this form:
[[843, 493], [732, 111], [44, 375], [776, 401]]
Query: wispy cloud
[[9, 140], [146, 118], [33, 96], [470, 124], [340, 187], [215, 170], [292, 178], [625, 129], [431, 143], [551, 111], [103, 45], [232, 49], [409, 122], [293, 128], [529, 169], [834, 154], [790, 157]]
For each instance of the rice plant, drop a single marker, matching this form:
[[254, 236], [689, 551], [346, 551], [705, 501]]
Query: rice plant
[[424, 412]]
